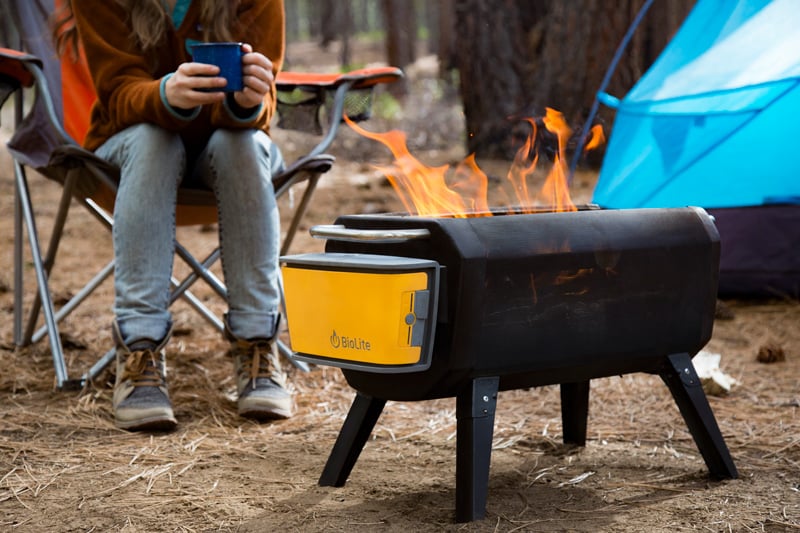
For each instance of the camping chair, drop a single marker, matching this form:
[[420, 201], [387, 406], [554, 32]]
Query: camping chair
[[44, 139]]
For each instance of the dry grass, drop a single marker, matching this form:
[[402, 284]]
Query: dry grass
[[65, 466]]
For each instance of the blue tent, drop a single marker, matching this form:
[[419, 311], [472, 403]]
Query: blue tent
[[712, 124]]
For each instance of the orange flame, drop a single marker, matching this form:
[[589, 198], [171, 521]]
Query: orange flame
[[424, 190], [597, 138]]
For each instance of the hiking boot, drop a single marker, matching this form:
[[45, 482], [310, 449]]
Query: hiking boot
[[140, 399], [260, 382]]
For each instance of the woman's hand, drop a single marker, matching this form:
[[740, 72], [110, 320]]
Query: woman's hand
[[257, 78], [182, 92], [181, 88]]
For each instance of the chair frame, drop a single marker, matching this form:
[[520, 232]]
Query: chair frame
[[26, 71]]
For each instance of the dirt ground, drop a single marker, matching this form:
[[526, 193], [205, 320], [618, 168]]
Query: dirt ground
[[65, 467]]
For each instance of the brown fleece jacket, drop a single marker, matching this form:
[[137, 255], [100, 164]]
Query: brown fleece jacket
[[129, 82]]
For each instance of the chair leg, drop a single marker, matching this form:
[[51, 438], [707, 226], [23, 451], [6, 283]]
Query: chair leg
[[199, 270], [195, 303], [475, 408], [311, 185], [42, 265], [358, 425], [49, 258], [100, 365], [684, 384], [76, 300], [287, 352], [24, 201], [19, 282]]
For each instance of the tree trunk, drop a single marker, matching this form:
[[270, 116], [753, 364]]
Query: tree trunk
[[446, 49], [431, 13], [328, 22], [578, 42], [361, 16], [345, 27], [400, 32], [400, 37], [313, 13], [551, 53], [493, 70], [292, 21]]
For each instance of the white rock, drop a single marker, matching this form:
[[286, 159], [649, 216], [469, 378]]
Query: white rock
[[715, 381]]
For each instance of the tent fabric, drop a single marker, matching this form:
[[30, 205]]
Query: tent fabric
[[759, 250], [711, 123]]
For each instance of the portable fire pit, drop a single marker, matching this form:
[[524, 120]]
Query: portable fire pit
[[417, 308]]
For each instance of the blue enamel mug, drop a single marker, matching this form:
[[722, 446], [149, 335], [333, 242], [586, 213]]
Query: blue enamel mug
[[227, 56]]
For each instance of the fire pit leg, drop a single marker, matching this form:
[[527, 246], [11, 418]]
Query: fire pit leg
[[575, 411], [686, 389], [360, 421], [475, 408]]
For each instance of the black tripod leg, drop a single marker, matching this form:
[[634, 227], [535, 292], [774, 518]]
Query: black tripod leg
[[475, 407], [360, 421], [575, 411], [686, 389]]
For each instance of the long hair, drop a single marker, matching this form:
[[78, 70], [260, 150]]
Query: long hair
[[149, 22]]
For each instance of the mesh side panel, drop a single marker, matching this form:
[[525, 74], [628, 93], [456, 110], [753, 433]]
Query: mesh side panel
[[357, 104], [299, 110], [301, 117]]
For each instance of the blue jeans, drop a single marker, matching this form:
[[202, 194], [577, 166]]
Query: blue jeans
[[237, 165]]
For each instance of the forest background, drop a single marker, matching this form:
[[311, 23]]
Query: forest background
[[506, 59]]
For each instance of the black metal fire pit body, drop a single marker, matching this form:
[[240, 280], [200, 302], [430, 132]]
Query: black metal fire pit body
[[538, 299]]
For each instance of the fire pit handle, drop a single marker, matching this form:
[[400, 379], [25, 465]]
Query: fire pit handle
[[339, 232]]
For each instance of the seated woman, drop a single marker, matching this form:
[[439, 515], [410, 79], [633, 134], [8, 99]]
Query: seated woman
[[164, 119]]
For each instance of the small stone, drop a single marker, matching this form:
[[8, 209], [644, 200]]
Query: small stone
[[771, 353]]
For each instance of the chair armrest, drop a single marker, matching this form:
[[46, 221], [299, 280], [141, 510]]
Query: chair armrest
[[20, 69], [318, 164], [361, 78], [16, 65], [16, 71]]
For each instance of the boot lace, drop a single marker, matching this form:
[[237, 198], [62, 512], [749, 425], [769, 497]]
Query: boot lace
[[262, 363], [143, 369]]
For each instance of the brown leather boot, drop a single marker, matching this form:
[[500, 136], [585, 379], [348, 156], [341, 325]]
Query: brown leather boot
[[141, 400]]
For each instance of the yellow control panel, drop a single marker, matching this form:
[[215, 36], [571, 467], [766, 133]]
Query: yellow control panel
[[362, 311]]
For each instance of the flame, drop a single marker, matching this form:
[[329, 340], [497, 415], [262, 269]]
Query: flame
[[596, 138], [556, 189], [426, 191]]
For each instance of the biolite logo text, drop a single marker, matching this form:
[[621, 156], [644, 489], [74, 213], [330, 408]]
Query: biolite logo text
[[349, 343]]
